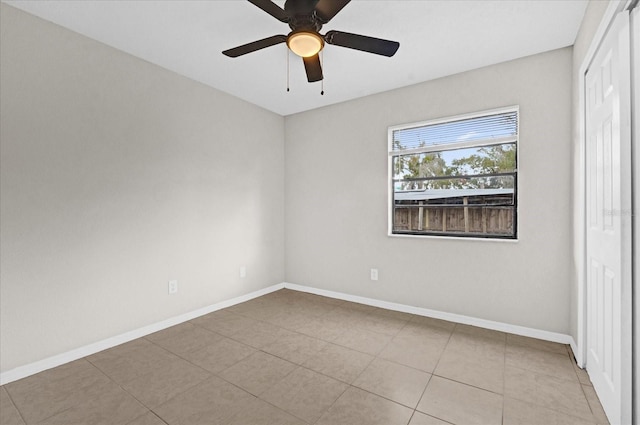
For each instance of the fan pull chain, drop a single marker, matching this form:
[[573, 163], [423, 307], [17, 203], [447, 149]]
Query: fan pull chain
[[322, 81], [287, 69]]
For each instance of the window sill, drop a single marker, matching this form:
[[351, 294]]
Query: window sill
[[453, 238]]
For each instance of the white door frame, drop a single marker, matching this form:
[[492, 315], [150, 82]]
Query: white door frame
[[614, 7], [635, 151]]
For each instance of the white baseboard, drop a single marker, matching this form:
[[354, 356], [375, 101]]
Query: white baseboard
[[87, 350], [78, 353], [576, 354], [451, 317]]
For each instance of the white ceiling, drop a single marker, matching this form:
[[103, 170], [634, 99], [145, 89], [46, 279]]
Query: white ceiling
[[437, 38]]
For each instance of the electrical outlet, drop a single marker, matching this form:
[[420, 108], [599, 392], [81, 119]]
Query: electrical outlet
[[173, 287], [243, 272], [374, 274]]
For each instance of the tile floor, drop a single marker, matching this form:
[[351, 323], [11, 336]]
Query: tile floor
[[291, 358]]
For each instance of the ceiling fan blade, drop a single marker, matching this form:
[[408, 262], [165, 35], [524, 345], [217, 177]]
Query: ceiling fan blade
[[255, 45], [327, 9], [313, 68], [362, 42], [272, 9]]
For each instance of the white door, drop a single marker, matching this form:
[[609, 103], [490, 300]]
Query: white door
[[608, 232]]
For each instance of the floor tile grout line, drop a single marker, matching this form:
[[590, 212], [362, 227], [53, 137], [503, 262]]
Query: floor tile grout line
[[588, 402], [86, 358], [553, 376], [421, 396], [443, 349], [226, 381], [387, 398], [14, 405], [411, 417], [313, 370], [553, 409], [363, 369], [334, 402], [433, 371], [467, 384], [332, 341], [200, 367], [350, 386], [574, 363], [464, 383], [540, 350], [302, 367], [150, 408], [181, 357], [383, 397], [153, 413], [286, 329], [285, 411], [548, 353], [51, 416], [431, 415], [539, 372]]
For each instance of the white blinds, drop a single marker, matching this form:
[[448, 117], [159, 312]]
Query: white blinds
[[476, 129]]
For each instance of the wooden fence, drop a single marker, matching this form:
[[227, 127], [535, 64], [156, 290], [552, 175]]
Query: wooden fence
[[455, 218]]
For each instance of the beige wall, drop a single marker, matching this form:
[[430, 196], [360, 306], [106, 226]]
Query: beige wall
[[117, 176], [336, 200]]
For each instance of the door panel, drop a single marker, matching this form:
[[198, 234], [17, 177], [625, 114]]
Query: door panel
[[608, 236]]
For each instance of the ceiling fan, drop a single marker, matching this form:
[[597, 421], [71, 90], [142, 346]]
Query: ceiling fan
[[305, 18]]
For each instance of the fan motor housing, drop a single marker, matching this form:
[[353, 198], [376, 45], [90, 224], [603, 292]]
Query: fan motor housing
[[302, 15]]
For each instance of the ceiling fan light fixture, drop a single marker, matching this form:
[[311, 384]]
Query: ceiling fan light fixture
[[305, 43]]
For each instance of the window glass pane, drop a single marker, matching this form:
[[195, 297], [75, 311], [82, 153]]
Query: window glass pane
[[451, 187], [470, 129], [431, 164], [459, 162]]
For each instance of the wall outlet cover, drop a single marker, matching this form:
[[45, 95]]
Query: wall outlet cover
[[173, 286]]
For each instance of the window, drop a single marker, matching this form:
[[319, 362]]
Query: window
[[455, 176]]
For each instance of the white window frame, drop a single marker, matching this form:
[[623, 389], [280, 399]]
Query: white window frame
[[447, 147]]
